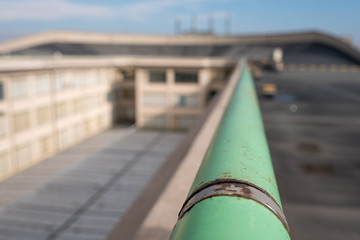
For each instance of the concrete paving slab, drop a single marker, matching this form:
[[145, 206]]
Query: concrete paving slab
[[113, 213], [89, 221], [22, 234], [42, 207], [69, 236], [127, 187], [94, 231], [39, 216], [27, 225]]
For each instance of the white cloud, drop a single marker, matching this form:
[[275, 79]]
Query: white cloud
[[49, 10], [12, 10], [141, 10]]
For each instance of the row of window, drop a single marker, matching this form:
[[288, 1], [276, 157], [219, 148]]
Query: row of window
[[178, 100], [22, 121], [69, 135], [20, 86], [65, 137], [158, 76]]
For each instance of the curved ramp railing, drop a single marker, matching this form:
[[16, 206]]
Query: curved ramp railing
[[234, 194]]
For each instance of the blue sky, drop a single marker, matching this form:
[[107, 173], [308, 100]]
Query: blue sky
[[24, 17]]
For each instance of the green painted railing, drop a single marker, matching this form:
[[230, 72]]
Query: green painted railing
[[234, 194]]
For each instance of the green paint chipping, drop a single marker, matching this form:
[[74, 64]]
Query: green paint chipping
[[239, 151]]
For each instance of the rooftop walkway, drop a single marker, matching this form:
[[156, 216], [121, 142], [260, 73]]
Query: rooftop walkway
[[82, 192]]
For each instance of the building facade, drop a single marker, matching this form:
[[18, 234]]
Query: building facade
[[44, 110], [58, 88]]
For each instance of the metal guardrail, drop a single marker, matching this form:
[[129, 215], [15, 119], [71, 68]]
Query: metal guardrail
[[234, 194]]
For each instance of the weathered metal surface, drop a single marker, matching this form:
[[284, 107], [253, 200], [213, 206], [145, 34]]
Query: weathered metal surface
[[239, 149], [249, 206], [236, 189], [229, 218]]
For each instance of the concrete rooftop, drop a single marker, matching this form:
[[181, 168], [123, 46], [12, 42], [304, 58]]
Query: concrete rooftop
[[82, 192]]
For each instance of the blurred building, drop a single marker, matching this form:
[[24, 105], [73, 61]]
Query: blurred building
[[61, 87]]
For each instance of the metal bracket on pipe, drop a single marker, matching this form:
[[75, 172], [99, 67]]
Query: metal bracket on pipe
[[235, 189]]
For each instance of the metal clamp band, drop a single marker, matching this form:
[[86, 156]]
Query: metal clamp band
[[236, 189]]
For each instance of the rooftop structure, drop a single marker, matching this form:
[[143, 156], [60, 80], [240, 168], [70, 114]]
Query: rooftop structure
[[314, 47], [58, 88]]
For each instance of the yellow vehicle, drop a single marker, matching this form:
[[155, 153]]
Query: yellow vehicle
[[268, 89]]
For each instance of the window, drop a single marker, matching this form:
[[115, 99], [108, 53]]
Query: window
[[73, 79], [105, 76], [19, 88], [191, 101], [92, 101], [43, 115], [128, 93], [85, 103], [154, 99], [157, 76], [45, 146], [127, 74], [21, 121], [79, 130], [61, 110], [102, 98], [64, 138], [113, 95], [1, 90], [23, 154], [60, 82], [42, 84], [87, 126], [89, 78], [186, 77], [77, 105], [4, 163], [70, 80], [3, 125], [86, 79]]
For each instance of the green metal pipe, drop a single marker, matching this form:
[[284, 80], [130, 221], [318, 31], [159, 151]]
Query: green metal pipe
[[234, 194]]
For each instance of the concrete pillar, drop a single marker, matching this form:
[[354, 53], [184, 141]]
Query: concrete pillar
[[10, 123], [140, 79], [52, 105], [170, 83], [204, 81]]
